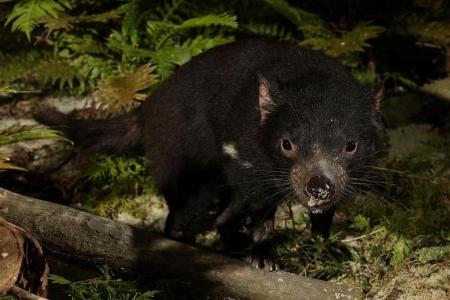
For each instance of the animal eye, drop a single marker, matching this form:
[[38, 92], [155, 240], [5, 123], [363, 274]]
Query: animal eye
[[286, 145], [351, 147]]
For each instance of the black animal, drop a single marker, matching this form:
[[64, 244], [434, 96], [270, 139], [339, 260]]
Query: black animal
[[239, 129]]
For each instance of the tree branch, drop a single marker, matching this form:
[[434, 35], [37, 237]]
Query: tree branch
[[81, 235]]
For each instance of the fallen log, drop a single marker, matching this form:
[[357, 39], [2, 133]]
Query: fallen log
[[80, 235]]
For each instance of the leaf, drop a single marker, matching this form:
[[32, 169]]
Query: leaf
[[401, 249], [295, 15], [66, 22], [351, 41], [26, 14], [429, 31], [16, 134], [52, 71], [361, 223], [117, 93], [274, 31], [210, 20], [161, 31], [81, 44]]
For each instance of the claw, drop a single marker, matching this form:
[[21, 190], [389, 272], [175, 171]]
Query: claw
[[263, 263]]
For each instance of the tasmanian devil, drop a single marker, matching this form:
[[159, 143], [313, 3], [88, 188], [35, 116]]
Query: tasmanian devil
[[239, 129]]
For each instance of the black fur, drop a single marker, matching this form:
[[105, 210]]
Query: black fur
[[244, 98]]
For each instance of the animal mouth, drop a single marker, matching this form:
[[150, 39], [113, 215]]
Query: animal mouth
[[316, 205]]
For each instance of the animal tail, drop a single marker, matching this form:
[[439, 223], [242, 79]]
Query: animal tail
[[114, 135]]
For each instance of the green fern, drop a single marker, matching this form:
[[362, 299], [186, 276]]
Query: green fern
[[27, 14], [57, 71], [432, 32], [16, 134], [273, 31], [85, 44], [104, 287], [19, 65], [161, 31], [66, 22], [91, 70], [350, 42], [295, 15]]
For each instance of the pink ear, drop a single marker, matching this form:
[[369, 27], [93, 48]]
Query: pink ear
[[266, 104]]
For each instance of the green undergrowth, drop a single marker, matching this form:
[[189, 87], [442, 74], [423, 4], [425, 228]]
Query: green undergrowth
[[105, 287], [119, 184]]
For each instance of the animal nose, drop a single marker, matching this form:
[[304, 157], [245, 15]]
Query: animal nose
[[320, 187]]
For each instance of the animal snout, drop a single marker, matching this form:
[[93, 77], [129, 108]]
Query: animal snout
[[319, 187]]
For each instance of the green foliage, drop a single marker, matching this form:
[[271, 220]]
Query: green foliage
[[432, 254], [360, 223], [16, 134], [81, 50], [105, 287], [124, 175], [27, 14], [295, 15], [274, 31], [18, 66], [429, 31], [57, 71], [349, 42], [314, 256]]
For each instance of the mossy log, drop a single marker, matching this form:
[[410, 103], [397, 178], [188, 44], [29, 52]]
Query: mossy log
[[80, 235]]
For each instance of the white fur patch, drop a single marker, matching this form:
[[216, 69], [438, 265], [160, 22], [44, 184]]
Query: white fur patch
[[230, 150]]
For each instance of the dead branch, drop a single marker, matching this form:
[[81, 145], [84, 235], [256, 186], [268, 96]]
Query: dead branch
[[88, 237]]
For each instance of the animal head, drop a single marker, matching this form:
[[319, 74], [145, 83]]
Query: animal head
[[321, 137]]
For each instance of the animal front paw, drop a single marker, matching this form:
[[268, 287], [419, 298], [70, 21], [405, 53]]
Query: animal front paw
[[263, 262]]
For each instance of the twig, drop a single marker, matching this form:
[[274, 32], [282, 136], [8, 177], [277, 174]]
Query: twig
[[362, 236]]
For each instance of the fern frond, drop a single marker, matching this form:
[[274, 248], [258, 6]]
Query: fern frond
[[426, 31], [92, 69], [66, 22], [7, 89], [131, 22], [27, 14], [201, 43], [81, 44], [274, 31], [16, 134], [118, 42], [118, 93], [19, 65], [295, 15], [350, 42], [161, 31], [223, 20], [167, 57], [53, 71], [167, 11]]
